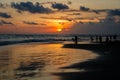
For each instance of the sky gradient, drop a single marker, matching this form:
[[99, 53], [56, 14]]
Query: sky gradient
[[59, 17]]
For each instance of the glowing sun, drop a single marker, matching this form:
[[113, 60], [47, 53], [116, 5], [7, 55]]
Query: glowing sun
[[59, 30]]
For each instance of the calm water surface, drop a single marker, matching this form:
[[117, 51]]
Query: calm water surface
[[37, 61]]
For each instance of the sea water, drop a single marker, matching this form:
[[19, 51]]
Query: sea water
[[36, 61], [6, 39]]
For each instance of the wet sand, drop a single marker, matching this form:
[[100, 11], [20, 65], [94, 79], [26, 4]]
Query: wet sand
[[104, 67], [36, 61]]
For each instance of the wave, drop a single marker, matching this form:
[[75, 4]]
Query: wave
[[6, 39], [28, 41]]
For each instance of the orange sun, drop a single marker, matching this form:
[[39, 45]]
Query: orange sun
[[59, 30]]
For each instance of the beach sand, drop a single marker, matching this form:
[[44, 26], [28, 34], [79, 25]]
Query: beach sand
[[104, 67], [38, 61]]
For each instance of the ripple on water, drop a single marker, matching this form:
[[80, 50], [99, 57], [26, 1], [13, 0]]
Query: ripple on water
[[38, 61]]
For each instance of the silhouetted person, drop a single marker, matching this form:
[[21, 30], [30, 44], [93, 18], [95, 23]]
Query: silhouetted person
[[75, 40], [107, 39], [100, 39], [110, 38], [96, 38], [115, 37], [91, 38]]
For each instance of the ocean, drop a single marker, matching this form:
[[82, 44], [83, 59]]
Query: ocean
[[39, 61], [36, 61], [6, 39]]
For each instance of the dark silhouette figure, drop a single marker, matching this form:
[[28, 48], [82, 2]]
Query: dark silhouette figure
[[91, 38], [96, 38], [100, 39], [75, 39], [115, 37], [107, 39], [110, 38]]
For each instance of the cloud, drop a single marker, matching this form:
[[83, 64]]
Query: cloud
[[111, 19], [30, 23], [60, 6], [4, 15], [30, 7], [4, 5], [108, 19], [5, 22], [74, 14], [52, 18], [82, 8], [1, 5], [103, 28], [114, 12], [96, 11], [69, 2], [42, 24], [47, 2], [110, 12], [113, 16], [59, 18]]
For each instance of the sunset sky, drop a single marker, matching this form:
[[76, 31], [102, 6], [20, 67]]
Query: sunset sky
[[59, 16]]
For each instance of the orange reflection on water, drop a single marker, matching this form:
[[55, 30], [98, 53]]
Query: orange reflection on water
[[37, 61]]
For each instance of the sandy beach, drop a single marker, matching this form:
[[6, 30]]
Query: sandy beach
[[104, 67], [59, 39], [36, 61]]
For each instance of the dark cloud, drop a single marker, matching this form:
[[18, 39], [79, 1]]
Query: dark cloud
[[103, 28], [111, 19], [58, 18], [30, 23], [29, 6], [52, 18], [82, 8], [96, 11], [42, 24], [5, 22], [109, 11], [74, 14], [4, 5], [1, 5], [113, 16], [4, 15], [69, 2], [114, 12], [47, 2], [60, 6], [19, 11]]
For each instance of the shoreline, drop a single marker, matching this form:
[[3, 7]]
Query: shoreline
[[106, 66], [7, 43], [97, 47]]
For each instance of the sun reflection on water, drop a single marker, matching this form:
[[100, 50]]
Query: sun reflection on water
[[38, 61]]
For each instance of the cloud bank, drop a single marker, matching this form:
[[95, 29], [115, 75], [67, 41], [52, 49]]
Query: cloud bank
[[2, 22], [5, 15], [59, 6], [115, 12], [82, 8], [30, 23], [30, 7]]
